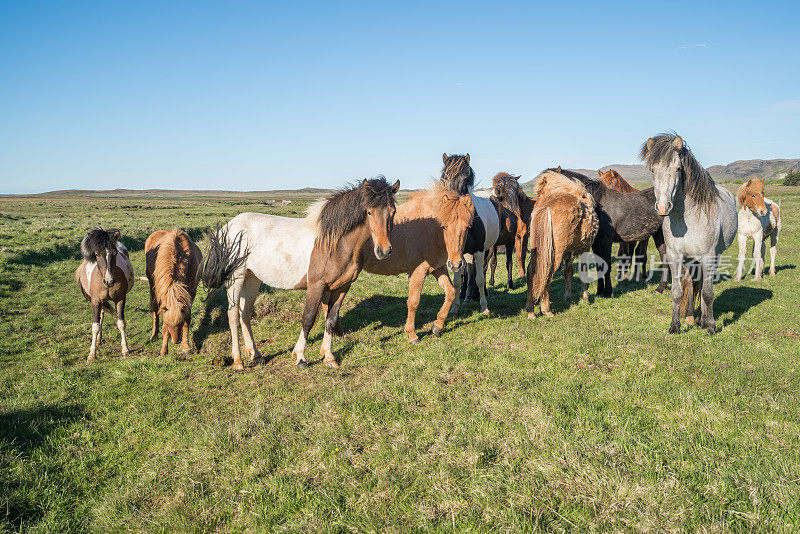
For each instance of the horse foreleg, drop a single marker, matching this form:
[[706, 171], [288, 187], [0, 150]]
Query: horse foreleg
[[676, 268], [709, 267], [568, 272], [522, 251], [742, 256], [415, 283], [623, 260], [331, 320], [234, 294], [457, 292], [314, 296], [658, 241], [640, 260], [154, 332], [480, 281], [97, 308], [773, 250], [510, 265], [247, 302], [121, 326], [491, 264], [449, 295], [185, 339]]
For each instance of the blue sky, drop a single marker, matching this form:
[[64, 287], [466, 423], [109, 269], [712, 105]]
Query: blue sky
[[256, 95]]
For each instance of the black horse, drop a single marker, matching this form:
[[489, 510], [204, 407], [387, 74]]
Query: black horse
[[624, 218]]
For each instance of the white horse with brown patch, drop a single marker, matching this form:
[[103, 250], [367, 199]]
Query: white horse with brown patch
[[759, 218]]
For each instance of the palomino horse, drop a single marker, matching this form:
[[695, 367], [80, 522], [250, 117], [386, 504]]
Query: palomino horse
[[563, 224], [428, 237], [254, 248], [458, 176], [106, 274], [759, 218], [172, 264], [352, 227], [623, 217], [700, 219], [509, 193], [634, 253]]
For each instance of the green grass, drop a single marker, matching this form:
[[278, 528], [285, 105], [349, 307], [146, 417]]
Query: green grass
[[593, 419]]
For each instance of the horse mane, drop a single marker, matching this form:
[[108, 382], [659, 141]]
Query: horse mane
[[169, 274], [445, 203], [98, 240], [345, 210], [697, 182], [457, 174], [551, 181], [755, 185]]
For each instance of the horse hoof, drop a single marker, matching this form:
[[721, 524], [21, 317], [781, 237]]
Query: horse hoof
[[125, 354], [332, 364], [91, 358], [531, 315], [548, 314], [436, 331], [302, 364], [414, 341], [485, 312], [674, 328], [689, 320]]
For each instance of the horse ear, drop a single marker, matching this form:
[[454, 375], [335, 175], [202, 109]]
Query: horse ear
[[599, 172], [444, 158], [467, 158], [115, 233], [650, 143], [678, 143], [396, 187], [559, 170], [364, 183]]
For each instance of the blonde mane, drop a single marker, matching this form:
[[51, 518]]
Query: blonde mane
[[551, 182], [447, 206], [169, 273]]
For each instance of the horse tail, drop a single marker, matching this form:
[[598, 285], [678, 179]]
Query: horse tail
[[542, 252], [224, 257]]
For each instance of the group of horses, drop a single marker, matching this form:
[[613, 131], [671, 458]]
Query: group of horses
[[445, 228]]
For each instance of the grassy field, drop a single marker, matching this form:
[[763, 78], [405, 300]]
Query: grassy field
[[595, 419]]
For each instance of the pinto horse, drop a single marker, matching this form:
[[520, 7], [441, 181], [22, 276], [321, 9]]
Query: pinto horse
[[458, 176], [759, 218], [700, 221], [255, 247], [172, 264], [106, 275], [429, 234], [563, 224]]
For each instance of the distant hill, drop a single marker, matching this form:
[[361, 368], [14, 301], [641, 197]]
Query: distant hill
[[770, 169]]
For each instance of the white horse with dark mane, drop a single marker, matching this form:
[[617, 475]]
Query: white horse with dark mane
[[700, 222]]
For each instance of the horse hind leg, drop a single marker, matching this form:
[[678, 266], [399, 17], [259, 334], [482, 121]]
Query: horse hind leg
[[480, 281], [773, 250], [234, 294]]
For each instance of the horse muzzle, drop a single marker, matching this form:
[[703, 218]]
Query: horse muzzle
[[455, 267], [381, 253], [663, 209]]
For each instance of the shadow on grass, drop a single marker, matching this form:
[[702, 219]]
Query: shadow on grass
[[22, 432], [738, 300]]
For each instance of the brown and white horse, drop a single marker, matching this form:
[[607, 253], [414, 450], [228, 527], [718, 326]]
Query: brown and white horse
[[352, 227], [563, 224], [428, 237], [173, 262], [759, 218], [106, 275]]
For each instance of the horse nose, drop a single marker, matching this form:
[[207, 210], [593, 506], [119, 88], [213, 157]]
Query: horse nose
[[388, 250], [663, 209]]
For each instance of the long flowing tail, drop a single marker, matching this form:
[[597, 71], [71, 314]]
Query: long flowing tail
[[542, 252], [223, 258]]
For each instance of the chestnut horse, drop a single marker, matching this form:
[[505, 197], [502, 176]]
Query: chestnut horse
[[563, 224], [509, 193], [106, 274], [172, 264], [759, 218], [353, 226], [428, 237], [632, 256]]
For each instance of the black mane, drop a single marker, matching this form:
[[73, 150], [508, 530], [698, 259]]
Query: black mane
[[98, 241], [346, 209], [457, 175]]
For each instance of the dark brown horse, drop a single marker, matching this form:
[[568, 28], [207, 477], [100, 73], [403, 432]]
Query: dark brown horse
[[509, 193], [507, 240], [106, 275], [623, 217], [172, 264], [351, 225]]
